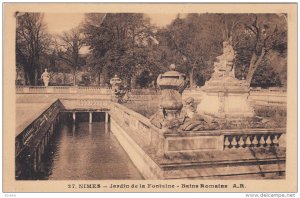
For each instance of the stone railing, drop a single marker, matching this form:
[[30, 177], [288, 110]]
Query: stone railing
[[269, 97], [259, 96], [62, 89], [145, 133], [31, 143], [195, 141], [270, 89], [221, 140], [84, 104], [256, 138]]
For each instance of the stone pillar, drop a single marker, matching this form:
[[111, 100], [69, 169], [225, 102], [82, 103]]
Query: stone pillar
[[73, 129], [90, 117], [90, 128], [106, 128], [106, 117], [74, 116]]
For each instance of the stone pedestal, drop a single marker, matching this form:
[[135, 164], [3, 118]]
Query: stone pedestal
[[226, 99]]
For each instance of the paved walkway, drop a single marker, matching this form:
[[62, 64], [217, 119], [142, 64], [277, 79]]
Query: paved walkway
[[26, 113]]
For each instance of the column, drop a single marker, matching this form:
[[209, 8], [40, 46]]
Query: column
[[74, 116], [106, 117], [90, 117], [106, 128]]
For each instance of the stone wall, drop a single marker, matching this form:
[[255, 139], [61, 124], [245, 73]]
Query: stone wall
[[31, 143], [198, 154]]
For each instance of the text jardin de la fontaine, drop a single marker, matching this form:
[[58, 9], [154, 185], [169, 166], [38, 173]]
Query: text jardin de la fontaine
[[157, 186]]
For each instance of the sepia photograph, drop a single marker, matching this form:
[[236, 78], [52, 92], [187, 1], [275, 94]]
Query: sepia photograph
[[136, 95]]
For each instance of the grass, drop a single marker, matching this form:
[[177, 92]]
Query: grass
[[145, 108]]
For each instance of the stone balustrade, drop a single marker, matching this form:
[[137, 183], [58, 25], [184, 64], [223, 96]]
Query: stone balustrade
[[259, 96], [221, 140], [250, 140], [196, 141], [63, 89]]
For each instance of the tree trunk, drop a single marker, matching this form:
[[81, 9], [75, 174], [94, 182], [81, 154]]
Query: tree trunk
[[133, 82], [35, 77], [191, 74], [74, 78], [191, 79], [27, 79], [64, 78], [254, 63], [99, 79]]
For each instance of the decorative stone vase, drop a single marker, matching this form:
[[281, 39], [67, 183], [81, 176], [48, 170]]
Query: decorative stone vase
[[115, 83], [172, 84]]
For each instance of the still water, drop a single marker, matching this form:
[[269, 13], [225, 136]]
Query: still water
[[83, 151]]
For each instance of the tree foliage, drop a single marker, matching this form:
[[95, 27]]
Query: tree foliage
[[69, 44], [256, 38], [120, 43], [32, 41], [193, 43], [128, 45]]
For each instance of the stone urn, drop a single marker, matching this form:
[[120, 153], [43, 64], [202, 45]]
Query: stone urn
[[172, 84], [115, 82]]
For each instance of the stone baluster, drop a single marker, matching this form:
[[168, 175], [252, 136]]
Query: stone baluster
[[268, 141], [255, 141], [262, 140], [226, 142], [241, 142], [234, 142], [275, 140], [248, 141]]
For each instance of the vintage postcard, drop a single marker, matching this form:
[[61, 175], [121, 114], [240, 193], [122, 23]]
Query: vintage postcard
[[150, 97]]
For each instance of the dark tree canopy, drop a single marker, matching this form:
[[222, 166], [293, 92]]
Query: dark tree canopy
[[128, 45], [32, 42]]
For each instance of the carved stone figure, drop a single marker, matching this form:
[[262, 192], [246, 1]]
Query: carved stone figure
[[224, 66], [224, 95], [45, 77]]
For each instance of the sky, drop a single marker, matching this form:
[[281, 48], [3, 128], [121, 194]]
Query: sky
[[58, 23]]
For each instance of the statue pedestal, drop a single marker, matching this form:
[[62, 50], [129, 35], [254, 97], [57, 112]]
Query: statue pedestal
[[226, 98]]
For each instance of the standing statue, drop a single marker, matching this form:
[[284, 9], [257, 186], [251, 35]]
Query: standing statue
[[45, 77]]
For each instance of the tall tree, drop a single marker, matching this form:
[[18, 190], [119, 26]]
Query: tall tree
[[119, 43], [258, 37], [32, 41], [69, 45], [193, 42]]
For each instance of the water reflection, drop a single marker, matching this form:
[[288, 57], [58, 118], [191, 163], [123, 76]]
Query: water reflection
[[85, 150]]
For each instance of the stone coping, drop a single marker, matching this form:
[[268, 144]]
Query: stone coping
[[227, 132], [138, 116], [33, 112]]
